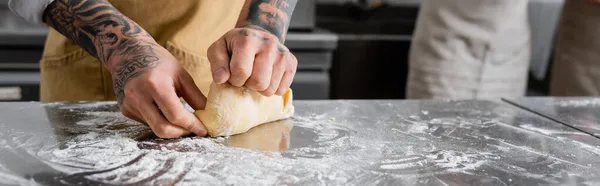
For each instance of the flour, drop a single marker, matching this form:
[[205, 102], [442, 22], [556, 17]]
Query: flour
[[435, 162], [84, 105], [101, 118], [8, 179], [111, 157], [325, 148], [579, 102], [548, 131]]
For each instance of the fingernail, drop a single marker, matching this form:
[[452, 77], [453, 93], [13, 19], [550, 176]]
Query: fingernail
[[218, 74], [198, 130]]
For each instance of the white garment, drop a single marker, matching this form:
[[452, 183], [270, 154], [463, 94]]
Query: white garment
[[469, 49], [30, 10]]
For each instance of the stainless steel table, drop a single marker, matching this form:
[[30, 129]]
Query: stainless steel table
[[326, 143], [578, 112]]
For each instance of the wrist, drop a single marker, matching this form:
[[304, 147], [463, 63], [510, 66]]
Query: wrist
[[261, 29], [130, 50]]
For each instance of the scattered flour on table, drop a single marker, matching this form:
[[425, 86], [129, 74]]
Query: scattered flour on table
[[84, 105], [380, 149], [548, 131], [579, 102], [99, 118], [338, 155]]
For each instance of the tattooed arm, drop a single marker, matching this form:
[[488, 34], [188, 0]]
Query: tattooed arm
[[253, 54], [145, 75], [271, 15], [98, 28]]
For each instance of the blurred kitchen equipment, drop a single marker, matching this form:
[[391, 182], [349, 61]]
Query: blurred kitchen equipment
[[375, 35], [313, 47], [314, 51], [543, 20], [21, 46], [374, 39], [304, 14]]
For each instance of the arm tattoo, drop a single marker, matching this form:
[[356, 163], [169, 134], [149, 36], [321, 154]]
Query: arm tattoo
[[271, 15], [104, 32], [138, 57], [245, 32]]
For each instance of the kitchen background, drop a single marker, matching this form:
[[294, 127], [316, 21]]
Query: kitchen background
[[347, 49]]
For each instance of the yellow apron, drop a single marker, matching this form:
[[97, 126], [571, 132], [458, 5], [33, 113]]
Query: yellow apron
[[186, 28]]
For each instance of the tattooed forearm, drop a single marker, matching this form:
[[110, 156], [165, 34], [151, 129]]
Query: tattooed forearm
[[95, 25], [246, 32], [138, 57], [120, 44], [271, 15]]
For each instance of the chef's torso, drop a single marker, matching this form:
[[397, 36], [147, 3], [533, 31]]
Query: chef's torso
[[186, 28]]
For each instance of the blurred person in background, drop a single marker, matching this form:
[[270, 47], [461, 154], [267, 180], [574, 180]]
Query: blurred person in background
[[146, 54], [471, 49]]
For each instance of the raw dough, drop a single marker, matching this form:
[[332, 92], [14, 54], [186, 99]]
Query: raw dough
[[233, 110]]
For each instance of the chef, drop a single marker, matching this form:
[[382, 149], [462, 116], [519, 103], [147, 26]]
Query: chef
[[146, 54], [481, 49]]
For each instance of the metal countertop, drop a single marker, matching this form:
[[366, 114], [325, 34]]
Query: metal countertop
[[580, 112], [325, 143]]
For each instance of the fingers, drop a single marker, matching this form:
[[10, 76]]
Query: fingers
[[190, 92], [288, 76], [131, 113], [175, 112], [251, 59], [262, 70], [242, 61], [218, 56], [172, 119], [276, 75], [157, 121]]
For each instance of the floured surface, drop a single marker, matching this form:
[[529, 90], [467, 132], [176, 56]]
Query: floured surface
[[580, 112], [330, 143]]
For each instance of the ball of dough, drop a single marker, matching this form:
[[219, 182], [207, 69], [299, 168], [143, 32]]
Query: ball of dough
[[233, 110]]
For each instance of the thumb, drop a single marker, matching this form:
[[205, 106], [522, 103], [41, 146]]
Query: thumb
[[218, 56], [190, 92]]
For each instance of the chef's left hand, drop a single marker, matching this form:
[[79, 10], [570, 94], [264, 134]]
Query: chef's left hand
[[253, 58]]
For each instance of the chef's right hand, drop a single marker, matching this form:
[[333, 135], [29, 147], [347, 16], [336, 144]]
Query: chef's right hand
[[148, 82]]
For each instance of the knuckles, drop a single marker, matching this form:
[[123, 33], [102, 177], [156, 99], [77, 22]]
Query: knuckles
[[129, 92], [270, 91], [155, 82], [290, 69], [258, 84], [264, 43], [291, 65], [240, 72], [212, 47], [179, 119], [125, 111]]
